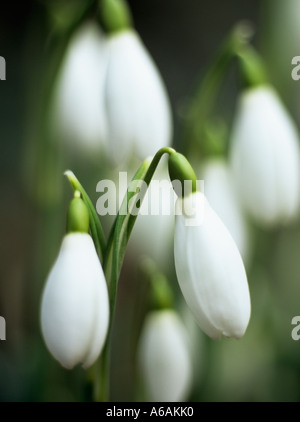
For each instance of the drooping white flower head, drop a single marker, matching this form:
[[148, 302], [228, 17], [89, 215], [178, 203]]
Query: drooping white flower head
[[138, 110], [220, 191], [164, 357], [78, 102], [209, 269], [265, 157], [75, 307]]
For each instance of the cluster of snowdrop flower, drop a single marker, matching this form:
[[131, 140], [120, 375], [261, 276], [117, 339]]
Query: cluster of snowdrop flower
[[109, 95], [211, 275]]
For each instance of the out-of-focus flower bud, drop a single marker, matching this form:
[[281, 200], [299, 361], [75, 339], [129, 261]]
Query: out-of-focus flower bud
[[265, 157], [78, 114], [220, 191], [138, 111], [164, 357]]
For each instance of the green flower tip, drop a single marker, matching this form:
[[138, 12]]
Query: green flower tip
[[162, 296], [69, 174], [78, 215], [252, 67], [182, 175], [114, 15], [161, 293], [242, 33]]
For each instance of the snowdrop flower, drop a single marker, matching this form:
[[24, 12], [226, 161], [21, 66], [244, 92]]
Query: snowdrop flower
[[75, 307], [164, 357], [208, 265], [265, 157], [220, 191], [78, 104], [209, 269], [137, 106]]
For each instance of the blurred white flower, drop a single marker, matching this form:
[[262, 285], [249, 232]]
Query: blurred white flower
[[164, 357], [75, 307], [220, 192], [210, 270], [138, 110], [265, 157], [152, 234], [78, 115]]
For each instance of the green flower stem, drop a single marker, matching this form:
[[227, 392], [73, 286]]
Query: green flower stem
[[201, 105], [145, 172], [101, 391], [95, 225], [148, 178], [116, 246], [125, 223]]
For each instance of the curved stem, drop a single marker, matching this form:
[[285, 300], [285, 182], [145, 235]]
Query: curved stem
[[117, 242], [145, 172], [203, 101]]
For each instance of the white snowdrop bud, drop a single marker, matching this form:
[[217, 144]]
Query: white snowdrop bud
[[209, 269], [265, 157], [78, 115], [138, 110], [164, 357], [75, 306]]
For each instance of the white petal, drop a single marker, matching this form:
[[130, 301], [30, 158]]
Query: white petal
[[138, 110], [265, 157], [164, 357], [74, 313], [79, 114], [210, 271], [101, 320]]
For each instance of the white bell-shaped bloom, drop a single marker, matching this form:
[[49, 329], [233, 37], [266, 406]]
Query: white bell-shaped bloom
[[210, 269], [138, 110], [78, 103], [164, 357], [220, 191], [75, 307], [265, 157]]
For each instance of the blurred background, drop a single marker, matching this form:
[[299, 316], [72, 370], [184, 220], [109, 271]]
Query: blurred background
[[181, 38]]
